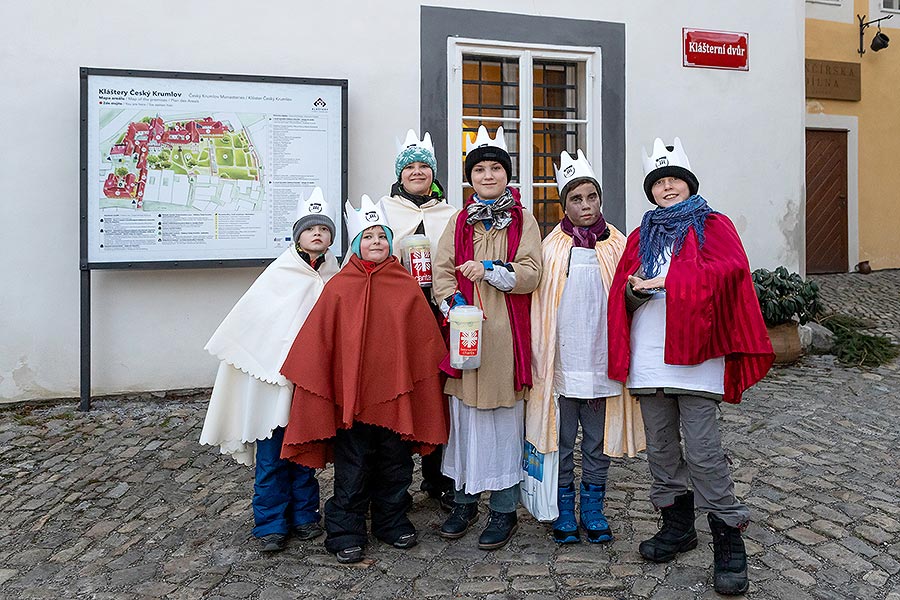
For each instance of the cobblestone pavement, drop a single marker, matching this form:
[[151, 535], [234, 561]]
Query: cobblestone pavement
[[122, 502], [875, 297]]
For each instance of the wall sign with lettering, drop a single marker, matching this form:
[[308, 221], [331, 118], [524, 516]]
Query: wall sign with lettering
[[715, 49], [831, 79]]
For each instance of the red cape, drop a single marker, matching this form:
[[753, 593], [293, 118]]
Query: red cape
[[711, 309], [368, 352]]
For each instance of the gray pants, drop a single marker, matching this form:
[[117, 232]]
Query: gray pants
[[594, 464], [703, 461], [504, 501]]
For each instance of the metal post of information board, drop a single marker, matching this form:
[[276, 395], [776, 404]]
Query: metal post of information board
[[85, 337], [85, 404]]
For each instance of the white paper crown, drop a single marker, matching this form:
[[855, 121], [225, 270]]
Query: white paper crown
[[369, 214], [413, 140], [314, 205], [663, 157], [571, 169], [484, 139]]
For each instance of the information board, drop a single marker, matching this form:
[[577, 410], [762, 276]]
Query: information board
[[188, 169]]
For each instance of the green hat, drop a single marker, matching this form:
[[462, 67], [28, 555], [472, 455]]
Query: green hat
[[412, 150]]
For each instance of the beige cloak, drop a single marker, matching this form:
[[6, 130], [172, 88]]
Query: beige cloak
[[403, 217], [493, 384], [624, 432]]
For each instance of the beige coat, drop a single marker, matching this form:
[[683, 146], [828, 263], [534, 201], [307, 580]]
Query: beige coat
[[492, 385], [624, 433]]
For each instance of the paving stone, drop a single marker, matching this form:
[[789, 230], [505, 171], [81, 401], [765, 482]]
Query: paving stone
[[804, 536], [528, 571], [876, 578], [887, 563], [670, 594], [533, 584], [433, 588], [784, 590], [643, 586], [859, 547], [827, 528], [7, 574], [482, 587], [599, 583], [126, 578], [484, 570], [874, 535], [801, 577]]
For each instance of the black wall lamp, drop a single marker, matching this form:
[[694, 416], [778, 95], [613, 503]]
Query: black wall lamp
[[880, 41]]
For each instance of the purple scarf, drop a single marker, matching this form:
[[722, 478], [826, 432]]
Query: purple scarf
[[584, 237]]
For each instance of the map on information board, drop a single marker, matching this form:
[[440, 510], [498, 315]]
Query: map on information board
[[177, 162], [182, 169]]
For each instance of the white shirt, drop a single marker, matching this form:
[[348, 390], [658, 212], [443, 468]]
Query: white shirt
[[582, 353], [648, 341]]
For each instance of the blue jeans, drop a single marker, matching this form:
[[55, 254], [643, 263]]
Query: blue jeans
[[286, 495], [504, 501]]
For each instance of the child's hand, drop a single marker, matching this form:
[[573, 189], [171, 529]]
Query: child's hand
[[473, 270], [644, 285]]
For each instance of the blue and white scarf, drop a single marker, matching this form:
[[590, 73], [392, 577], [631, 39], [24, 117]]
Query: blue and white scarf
[[662, 228]]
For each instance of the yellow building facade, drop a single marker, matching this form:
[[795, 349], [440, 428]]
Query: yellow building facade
[[853, 145]]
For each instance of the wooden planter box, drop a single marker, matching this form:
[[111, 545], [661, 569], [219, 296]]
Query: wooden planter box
[[785, 342]]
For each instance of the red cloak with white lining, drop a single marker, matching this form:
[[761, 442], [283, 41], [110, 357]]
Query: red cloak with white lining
[[711, 309]]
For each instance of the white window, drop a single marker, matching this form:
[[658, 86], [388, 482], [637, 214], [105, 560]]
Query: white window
[[545, 98], [891, 5]]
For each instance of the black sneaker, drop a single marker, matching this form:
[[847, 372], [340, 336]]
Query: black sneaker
[[461, 518], [274, 542], [499, 530], [405, 541], [347, 556], [308, 531]]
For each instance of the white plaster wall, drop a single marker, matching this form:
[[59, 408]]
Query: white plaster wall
[[877, 11], [743, 133], [840, 11]]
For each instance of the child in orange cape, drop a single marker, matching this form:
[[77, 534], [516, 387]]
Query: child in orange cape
[[367, 389]]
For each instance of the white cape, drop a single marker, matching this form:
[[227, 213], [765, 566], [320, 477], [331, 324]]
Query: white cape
[[250, 397]]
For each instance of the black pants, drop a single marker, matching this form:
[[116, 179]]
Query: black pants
[[372, 465], [432, 478]]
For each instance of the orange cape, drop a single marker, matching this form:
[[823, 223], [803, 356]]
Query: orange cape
[[368, 352]]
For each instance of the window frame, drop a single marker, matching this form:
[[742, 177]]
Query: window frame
[[590, 95], [889, 11]]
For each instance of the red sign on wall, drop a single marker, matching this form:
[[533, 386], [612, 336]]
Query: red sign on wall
[[716, 49]]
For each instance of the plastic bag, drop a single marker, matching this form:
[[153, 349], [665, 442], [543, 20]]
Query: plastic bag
[[539, 489]]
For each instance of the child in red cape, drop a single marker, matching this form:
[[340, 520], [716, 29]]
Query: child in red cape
[[686, 332], [367, 390]]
